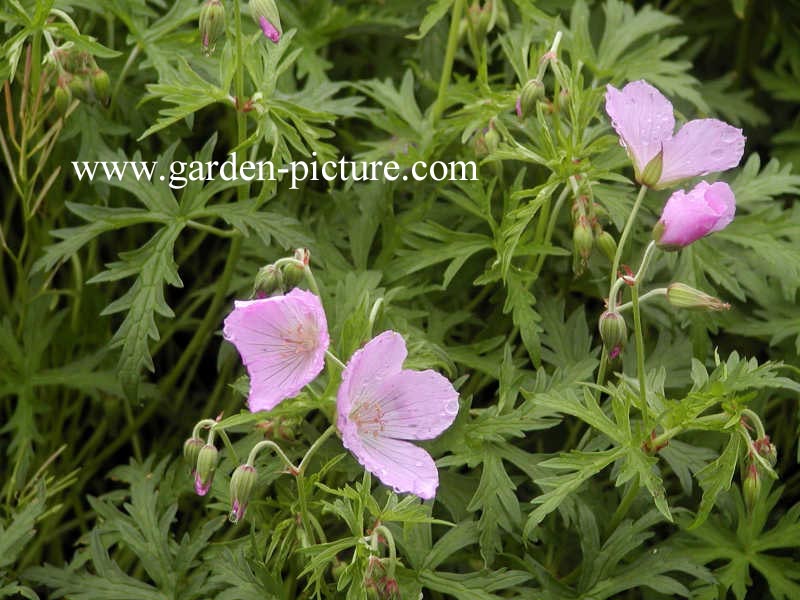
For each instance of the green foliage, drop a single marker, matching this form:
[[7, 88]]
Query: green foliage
[[567, 474]]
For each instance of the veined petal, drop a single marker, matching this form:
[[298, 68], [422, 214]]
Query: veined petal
[[701, 147], [282, 341], [401, 465], [642, 117], [417, 405], [367, 369]]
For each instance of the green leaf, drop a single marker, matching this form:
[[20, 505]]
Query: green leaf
[[716, 477]]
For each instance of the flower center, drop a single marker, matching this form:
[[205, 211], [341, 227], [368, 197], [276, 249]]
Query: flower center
[[368, 417]]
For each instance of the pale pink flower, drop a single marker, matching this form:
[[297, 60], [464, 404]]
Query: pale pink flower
[[644, 120], [689, 216], [282, 341], [380, 405]]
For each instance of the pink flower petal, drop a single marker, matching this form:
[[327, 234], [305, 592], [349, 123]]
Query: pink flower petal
[[282, 341], [415, 405], [701, 147], [366, 370], [643, 119], [399, 464], [689, 216]]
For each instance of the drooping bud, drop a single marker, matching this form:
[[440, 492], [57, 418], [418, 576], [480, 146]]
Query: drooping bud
[[479, 144], [211, 24], [607, 244], [295, 272], [583, 242], [269, 282], [492, 139], [191, 451], [101, 84], [767, 450], [62, 96], [751, 487], [206, 466], [614, 332], [531, 93], [681, 295], [268, 18], [80, 87], [242, 482]]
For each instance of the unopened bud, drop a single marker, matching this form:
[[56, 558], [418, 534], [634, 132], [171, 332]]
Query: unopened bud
[[614, 332], [607, 244], [492, 139], [242, 482], [583, 238], [80, 87], [268, 18], [681, 295], [191, 451], [751, 488], [62, 96], [269, 282], [211, 24], [101, 84], [767, 450], [531, 93], [204, 472]]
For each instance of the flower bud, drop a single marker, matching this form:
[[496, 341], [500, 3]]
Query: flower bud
[[211, 24], [191, 451], [80, 87], [293, 274], [683, 296], [531, 93], [242, 482], [266, 15], [607, 244], [101, 85], [582, 241], [492, 139], [269, 282], [206, 465], [479, 144], [767, 450], [751, 487], [62, 96], [614, 332]]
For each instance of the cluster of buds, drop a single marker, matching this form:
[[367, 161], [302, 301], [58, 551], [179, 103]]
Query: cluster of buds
[[379, 580], [77, 77], [588, 231], [211, 24], [479, 21], [486, 141], [202, 457], [281, 276]]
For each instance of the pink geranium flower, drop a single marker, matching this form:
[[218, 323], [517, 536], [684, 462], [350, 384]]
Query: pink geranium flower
[[282, 341], [689, 216], [380, 405], [644, 121]]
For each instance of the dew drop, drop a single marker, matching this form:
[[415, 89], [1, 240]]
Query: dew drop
[[451, 408]]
